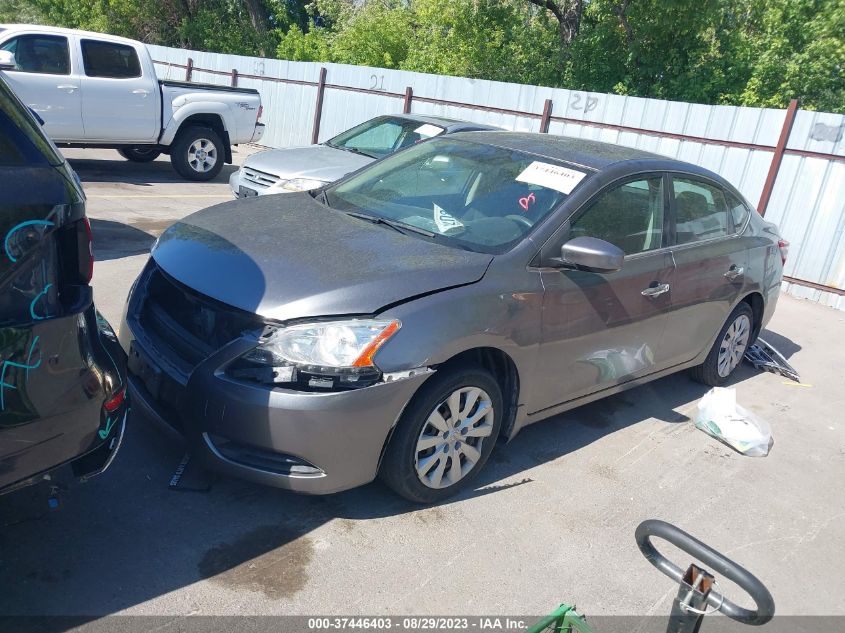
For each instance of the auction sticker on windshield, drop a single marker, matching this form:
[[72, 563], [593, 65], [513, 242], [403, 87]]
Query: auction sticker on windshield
[[551, 176]]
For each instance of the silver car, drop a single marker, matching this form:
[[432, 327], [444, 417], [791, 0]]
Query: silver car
[[307, 168], [402, 320]]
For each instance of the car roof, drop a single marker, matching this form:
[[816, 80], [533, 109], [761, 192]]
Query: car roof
[[57, 30], [451, 125], [590, 154], [585, 152]]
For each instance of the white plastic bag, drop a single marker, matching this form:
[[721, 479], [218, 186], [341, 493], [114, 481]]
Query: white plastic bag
[[720, 416]]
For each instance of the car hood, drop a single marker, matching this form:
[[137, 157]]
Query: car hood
[[315, 161], [287, 257]]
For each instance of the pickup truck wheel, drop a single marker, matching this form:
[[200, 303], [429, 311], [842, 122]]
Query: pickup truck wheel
[[139, 154], [197, 153]]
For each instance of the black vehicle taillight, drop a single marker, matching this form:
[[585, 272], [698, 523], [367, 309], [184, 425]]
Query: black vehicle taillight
[[85, 250], [783, 245], [112, 404]]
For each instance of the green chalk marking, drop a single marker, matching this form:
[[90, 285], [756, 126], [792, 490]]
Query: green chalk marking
[[104, 433]]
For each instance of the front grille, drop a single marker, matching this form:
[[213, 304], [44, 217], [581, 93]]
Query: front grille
[[186, 327], [259, 178]]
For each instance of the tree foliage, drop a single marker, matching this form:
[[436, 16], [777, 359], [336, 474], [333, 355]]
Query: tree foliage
[[747, 52]]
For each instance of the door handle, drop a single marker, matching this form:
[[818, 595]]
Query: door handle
[[68, 88], [655, 290], [141, 91], [734, 272]]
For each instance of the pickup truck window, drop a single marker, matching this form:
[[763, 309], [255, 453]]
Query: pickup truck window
[[22, 142], [107, 59], [46, 54]]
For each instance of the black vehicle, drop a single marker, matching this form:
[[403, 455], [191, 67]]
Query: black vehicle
[[62, 372]]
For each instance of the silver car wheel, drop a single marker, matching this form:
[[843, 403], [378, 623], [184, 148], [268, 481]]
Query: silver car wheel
[[733, 345], [449, 445], [202, 155]]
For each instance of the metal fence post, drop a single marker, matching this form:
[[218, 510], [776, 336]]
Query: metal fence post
[[409, 95], [234, 78], [318, 108], [777, 157], [189, 69], [547, 117]]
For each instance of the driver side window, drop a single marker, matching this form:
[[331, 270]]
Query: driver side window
[[42, 54], [629, 216]]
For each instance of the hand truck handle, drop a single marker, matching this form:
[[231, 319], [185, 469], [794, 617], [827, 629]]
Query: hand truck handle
[[717, 562]]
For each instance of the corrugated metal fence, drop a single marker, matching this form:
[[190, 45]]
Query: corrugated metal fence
[[789, 162]]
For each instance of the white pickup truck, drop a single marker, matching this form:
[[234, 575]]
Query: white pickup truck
[[96, 90]]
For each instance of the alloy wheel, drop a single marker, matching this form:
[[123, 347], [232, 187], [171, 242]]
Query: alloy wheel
[[202, 155]]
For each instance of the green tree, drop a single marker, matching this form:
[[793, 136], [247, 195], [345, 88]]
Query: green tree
[[490, 39], [748, 52], [795, 49]]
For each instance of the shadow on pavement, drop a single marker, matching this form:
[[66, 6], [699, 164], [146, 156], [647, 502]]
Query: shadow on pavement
[[125, 538], [113, 240], [126, 172]]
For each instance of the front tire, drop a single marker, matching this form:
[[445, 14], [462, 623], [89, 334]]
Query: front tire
[[197, 154], [727, 352], [139, 154], [445, 435]]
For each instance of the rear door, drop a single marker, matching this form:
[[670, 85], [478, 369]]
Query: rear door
[[710, 262], [47, 80], [600, 330], [119, 103]]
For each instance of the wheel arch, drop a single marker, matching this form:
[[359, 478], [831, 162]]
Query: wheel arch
[[209, 120], [503, 368], [757, 303]]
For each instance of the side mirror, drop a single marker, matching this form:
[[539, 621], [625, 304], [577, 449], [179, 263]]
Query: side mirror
[[591, 254], [7, 60]]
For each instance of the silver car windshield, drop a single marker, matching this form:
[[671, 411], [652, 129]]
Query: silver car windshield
[[384, 135], [468, 194]]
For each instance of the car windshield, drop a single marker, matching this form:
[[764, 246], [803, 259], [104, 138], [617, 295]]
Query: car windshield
[[467, 194], [384, 135]]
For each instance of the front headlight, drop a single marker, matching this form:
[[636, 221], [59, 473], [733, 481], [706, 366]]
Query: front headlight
[[323, 354], [302, 184]]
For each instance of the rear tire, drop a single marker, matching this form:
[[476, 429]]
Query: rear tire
[[139, 154], [434, 452], [197, 154], [726, 354]]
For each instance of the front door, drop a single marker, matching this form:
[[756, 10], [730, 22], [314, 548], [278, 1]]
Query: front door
[[46, 81], [600, 330]]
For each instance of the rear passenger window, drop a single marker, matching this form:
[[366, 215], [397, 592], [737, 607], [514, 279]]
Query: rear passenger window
[[45, 54], [739, 212], [701, 211], [107, 59], [630, 217]]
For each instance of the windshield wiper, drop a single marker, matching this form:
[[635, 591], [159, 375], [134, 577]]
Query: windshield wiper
[[354, 150], [399, 227]]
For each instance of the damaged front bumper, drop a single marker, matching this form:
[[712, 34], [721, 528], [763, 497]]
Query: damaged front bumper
[[310, 442], [288, 436]]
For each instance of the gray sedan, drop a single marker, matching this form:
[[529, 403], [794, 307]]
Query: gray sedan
[[400, 321], [310, 167]]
